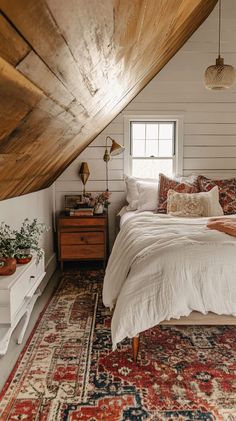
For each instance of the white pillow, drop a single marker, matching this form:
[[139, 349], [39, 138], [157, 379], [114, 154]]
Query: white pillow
[[187, 179], [132, 190], [148, 196], [194, 204]]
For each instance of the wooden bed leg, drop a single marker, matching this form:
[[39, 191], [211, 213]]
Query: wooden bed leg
[[135, 347]]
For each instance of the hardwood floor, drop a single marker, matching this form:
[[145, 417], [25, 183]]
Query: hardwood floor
[[8, 361]]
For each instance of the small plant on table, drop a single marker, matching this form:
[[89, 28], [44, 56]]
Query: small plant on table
[[8, 249], [27, 240]]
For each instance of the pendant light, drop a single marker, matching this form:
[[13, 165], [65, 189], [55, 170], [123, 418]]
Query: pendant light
[[219, 76]]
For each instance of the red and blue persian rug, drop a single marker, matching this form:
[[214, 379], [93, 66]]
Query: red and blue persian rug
[[68, 372]]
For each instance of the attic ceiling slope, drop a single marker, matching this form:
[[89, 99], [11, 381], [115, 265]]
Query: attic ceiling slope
[[68, 68]]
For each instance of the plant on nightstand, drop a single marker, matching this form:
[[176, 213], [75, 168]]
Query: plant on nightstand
[[99, 202], [27, 240]]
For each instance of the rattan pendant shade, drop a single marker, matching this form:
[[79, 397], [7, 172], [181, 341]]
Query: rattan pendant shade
[[219, 76]]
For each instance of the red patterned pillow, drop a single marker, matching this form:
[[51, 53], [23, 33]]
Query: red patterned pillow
[[227, 192], [165, 184]]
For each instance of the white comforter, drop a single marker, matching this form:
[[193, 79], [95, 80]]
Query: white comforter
[[163, 267]]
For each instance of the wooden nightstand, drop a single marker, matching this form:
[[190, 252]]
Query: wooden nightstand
[[82, 238]]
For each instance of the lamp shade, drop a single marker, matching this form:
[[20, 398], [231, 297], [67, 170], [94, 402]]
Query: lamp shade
[[220, 76], [116, 148]]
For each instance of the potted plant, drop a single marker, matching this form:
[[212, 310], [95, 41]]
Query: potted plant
[[8, 248], [100, 201], [27, 240]]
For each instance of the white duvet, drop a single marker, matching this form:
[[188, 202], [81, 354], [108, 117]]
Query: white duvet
[[163, 267]]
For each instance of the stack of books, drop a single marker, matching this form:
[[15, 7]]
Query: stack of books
[[81, 212]]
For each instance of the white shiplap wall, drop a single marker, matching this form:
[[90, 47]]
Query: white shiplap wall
[[38, 205], [209, 116]]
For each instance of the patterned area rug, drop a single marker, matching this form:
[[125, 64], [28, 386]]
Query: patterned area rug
[[68, 372]]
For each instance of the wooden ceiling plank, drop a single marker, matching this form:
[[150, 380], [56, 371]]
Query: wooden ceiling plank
[[19, 96], [89, 26], [51, 107], [12, 46], [36, 24], [24, 186], [9, 119], [31, 142], [13, 81], [35, 70], [28, 131], [10, 166]]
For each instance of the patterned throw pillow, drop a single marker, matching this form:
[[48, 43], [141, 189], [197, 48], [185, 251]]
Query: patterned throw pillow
[[227, 190], [165, 184], [194, 204]]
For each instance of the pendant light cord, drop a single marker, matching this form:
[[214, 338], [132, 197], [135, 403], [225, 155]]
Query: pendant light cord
[[219, 24]]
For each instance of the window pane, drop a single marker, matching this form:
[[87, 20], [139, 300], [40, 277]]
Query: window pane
[[150, 168], [165, 148], [138, 130], [138, 148], [151, 148], [152, 131], [165, 131]]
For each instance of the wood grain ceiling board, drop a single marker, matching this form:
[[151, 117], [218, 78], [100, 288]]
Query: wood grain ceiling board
[[12, 47], [68, 68], [18, 97]]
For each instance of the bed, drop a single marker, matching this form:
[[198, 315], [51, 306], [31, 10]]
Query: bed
[[168, 270]]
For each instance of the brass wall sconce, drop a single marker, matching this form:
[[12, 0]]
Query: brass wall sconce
[[84, 174], [115, 149]]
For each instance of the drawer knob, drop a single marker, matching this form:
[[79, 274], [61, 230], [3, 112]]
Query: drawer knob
[[82, 238], [32, 277]]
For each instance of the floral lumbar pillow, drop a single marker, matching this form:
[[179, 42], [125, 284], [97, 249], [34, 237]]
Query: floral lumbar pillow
[[166, 183], [227, 192], [194, 204]]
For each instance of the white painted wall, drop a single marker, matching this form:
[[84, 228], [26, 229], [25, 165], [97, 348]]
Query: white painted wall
[[34, 205], [209, 134]]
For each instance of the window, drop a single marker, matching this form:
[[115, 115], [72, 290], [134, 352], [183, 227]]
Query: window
[[151, 147]]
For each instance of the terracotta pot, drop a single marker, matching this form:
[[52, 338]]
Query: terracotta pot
[[9, 266], [23, 260]]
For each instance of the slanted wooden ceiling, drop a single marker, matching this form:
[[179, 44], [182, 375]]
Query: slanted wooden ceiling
[[68, 67]]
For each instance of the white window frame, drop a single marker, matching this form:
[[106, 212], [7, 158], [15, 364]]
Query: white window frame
[[178, 157]]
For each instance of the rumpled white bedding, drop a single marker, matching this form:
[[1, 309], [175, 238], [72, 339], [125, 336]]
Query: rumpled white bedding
[[163, 267], [125, 215]]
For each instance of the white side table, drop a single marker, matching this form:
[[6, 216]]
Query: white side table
[[18, 294]]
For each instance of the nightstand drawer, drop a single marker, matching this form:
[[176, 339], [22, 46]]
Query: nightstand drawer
[[82, 238], [82, 252], [78, 222]]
